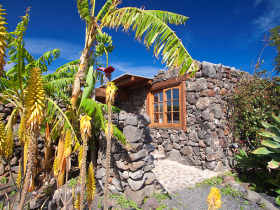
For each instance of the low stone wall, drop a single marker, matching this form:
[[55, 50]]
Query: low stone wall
[[131, 170], [208, 140]]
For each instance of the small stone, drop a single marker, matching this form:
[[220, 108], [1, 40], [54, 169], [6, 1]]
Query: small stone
[[139, 155], [122, 115], [223, 91], [135, 184], [252, 196], [117, 184], [132, 133], [122, 165], [124, 174], [136, 165], [203, 103], [174, 155], [212, 156], [191, 98], [136, 175], [201, 144], [211, 165], [149, 178], [208, 69], [100, 173], [217, 111], [131, 120]]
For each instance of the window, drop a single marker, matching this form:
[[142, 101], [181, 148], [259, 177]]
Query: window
[[166, 106]]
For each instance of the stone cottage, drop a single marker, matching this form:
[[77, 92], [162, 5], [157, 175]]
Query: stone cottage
[[189, 118]]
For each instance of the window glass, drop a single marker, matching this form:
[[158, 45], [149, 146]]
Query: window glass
[[167, 106], [155, 97], [160, 96], [169, 117], [156, 107], [161, 118], [168, 95], [176, 117], [176, 106], [161, 107], [175, 93]]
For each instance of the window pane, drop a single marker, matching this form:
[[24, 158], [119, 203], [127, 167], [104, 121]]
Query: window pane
[[175, 93], [168, 95], [161, 107], [160, 96], [156, 117], [176, 117], [176, 106], [156, 107], [161, 117], [169, 106], [169, 119], [155, 97]]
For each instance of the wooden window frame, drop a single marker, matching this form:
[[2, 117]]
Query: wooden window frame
[[164, 86]]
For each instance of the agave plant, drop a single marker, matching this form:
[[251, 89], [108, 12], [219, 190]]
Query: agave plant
[[271, 142], [3, 39], [271, 149]]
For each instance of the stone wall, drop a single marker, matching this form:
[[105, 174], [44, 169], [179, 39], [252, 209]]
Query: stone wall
[[131, 169], [208, 139]]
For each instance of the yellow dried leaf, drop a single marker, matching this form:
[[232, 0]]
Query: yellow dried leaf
[[77, 201], [55, 167], [19, 177], [25, 153], [68, 143], [91, 183], [60, 178], [3, 139], [110, 92], [85, 127], [80, 156]]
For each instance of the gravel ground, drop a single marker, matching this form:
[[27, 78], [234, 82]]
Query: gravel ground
[[195, 199]]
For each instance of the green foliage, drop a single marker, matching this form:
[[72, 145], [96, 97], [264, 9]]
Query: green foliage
[[124, 202], [229, 191], [254, 101], [212, 181], [83, 8], [271, 143], [152, 25], [275, 42]]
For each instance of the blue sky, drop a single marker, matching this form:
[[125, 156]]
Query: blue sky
[[218, 31]]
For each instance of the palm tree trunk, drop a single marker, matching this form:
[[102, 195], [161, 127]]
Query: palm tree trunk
[[83, 173], [108, 159], [80, 75]]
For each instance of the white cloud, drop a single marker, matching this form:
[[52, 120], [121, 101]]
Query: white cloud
[[148, 71], [68, 51], [270, 17]]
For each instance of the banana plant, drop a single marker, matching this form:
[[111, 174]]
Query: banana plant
[[150, 24]]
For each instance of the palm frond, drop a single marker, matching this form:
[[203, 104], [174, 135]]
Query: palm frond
[[168, 17], [104, 10], [156, 33], [46, 59], [119, 135], [83, 8]]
